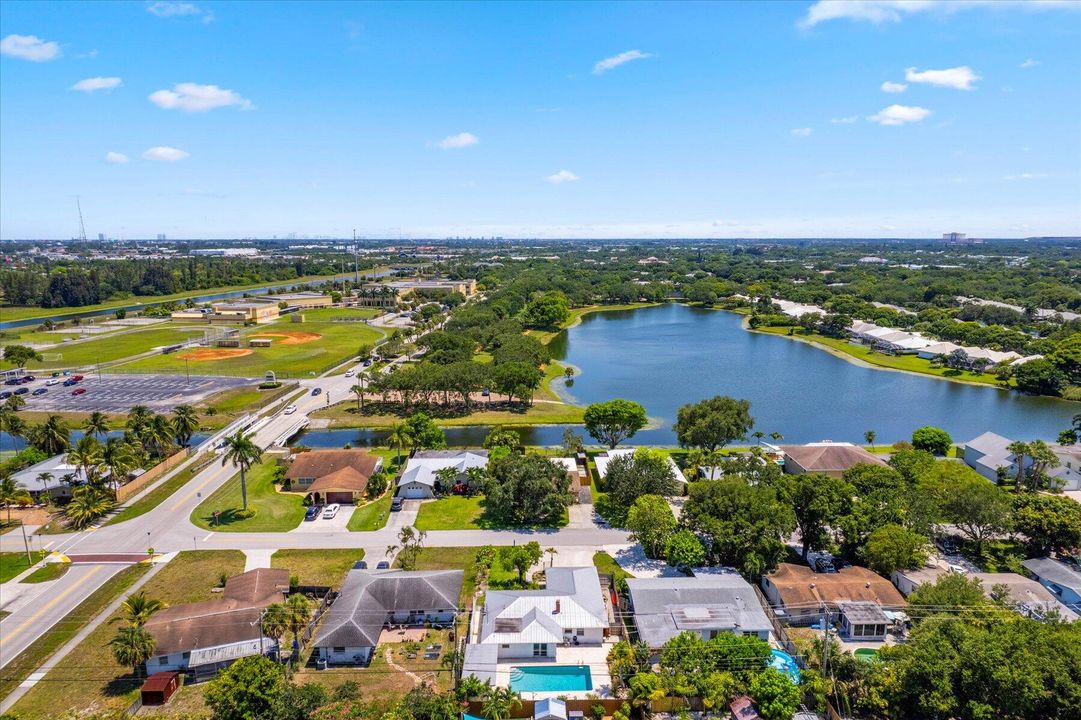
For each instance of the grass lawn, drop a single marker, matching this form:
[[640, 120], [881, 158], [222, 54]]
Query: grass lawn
[[39, 702], [336, 342], [372, 516], [13, 563], [155, 497], [910, 363], [109, 688], [464, 558], [116, 346], [345, 415], [237, 401], [45, 573], [606, 565], [275, 511], [317, 567], [455, 512]]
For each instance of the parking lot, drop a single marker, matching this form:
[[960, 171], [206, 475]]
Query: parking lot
[[118, 393]]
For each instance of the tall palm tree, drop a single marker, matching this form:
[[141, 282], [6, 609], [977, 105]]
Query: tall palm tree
[[500, 702], [87, 505], [160, 433], [138, 608], [758, 435], [298, 611], [133, 646], [138, 416], [551, 552], [242, 453], [96, 424], [87, 455], [119, 457], [185, 423], [53, 436], [12, 494], [870, 436], [400, 435], [15, 403], [11, 423], [776, 436], [358, 390], [275, 622], [44, 478], [1019, 450]]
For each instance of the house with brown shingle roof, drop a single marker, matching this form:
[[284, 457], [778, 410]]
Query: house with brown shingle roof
[[859, 596], [205, 637], [828, 458], [333, 476]]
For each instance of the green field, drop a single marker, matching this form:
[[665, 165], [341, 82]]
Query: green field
[[115, 346], [13, 563], [372, 516], [275, 511], [318, 567], [337, 342], [451, 513]]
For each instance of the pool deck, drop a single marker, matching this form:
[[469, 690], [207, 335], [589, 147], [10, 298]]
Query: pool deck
[[593, 656]]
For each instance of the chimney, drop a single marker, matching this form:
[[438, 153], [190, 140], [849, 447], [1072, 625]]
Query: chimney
[[557, 607]]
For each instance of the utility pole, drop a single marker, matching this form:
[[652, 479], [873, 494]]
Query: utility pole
[[26, 544], [82, 225]]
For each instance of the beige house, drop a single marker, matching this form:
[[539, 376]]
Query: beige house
[[828, 458]]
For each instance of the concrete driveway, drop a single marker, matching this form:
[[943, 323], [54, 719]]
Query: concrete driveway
[[406, 516], [339, 522], [580, 516]]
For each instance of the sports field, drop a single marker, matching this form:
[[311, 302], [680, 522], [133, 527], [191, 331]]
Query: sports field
[[113, 346], [297, 349]]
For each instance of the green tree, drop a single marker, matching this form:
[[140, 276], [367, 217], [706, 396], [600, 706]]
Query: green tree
[[893, 547], [298, 702], [499, 703], [275, 621], [646, 472], [818, 502], [96, 424], [500, 437], [11, 494], [133, 646], [684, 550], [20, 355], [1040, 377], [711, 424], [400, 435], [409, 547], [1050, 523], [775, 695], [870, 436], [425, 433], [614, 421], [932, 439], [87, 505], [548, 311], [978, 509], [527, 490], [948, 593], [249, 689], [51, 437], [87, 455], [119, 458], [521, 558], [243, 453], [651, 522], [185, 422], [298, 611], [138, 608]]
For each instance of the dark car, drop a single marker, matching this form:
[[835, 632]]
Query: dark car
[[383, 565], [79, 391], [69, 382], [317, 391], [40, 391], [396, 504], [22, 391], [30, 378], [312, 513], [360, 565], [5, 395], [12, 381]]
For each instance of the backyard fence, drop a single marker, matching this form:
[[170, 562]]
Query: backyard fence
[[125, 492]]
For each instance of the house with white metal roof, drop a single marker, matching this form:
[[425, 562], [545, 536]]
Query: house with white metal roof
[[421, 474], [706, 605]]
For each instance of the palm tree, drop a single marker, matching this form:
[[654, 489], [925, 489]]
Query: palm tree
[[11, 423], [446, 477], [133, 646], [242, 453], [87, 455], [12, 494], [776, 436], [1020, 450], [44, 478], [870, 436], [758, 435], [275, 621], [53, 436], [358, 390], [551, 552], [500, 702], [400, 435], [298, 611], [160, 433], [119, 457], [87, 505], [185, 423], [138, 608], [96, 424], [138, 416]]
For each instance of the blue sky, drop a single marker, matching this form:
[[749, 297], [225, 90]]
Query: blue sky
[[540, 120]]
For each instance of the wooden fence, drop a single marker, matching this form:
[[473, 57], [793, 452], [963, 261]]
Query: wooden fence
[[126, 491]]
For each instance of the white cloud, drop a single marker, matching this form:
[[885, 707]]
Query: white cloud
[[1030, 63], [846, 120], [167, 9], [192, 97], [959, 78], [563, 176], [1025, 176], [899, 115], [116, 158], [456, 142], [97, 83], [29, 47], [165, 154], [615, 61], [892, 87], [801, 132], [882, 11]]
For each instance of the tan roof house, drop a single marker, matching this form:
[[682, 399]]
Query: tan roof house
[[828, 458], [333, 476]]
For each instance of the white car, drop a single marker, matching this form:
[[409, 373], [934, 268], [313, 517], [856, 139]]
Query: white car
[[351, 372], [52, 381], [290, 409], [330, 511]]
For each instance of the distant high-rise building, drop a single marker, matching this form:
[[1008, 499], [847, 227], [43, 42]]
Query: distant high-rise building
[[161, 237], [101, 237], [953, 237]]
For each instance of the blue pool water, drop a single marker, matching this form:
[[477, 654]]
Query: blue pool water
[[550, 678], [785, 663]]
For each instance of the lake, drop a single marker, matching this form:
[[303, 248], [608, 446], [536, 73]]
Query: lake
[[669, 355]]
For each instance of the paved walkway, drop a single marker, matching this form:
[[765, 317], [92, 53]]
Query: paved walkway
[[254, 559]]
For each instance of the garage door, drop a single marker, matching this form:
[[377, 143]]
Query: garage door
[[414, 493], [342, 498]]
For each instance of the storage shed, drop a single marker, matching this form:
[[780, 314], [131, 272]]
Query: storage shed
[[159, 687]]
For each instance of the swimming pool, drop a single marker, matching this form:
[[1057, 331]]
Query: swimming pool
[[785, 663], [550, 678]]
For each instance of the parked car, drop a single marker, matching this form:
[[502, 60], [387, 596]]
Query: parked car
[[312, 512], [360, 565], [317, 391], [79, 391], [40, 391], [30, 378], [22, 391], [396, 504], [52, 381], [367, 363], [76, 378], [290, 409], [331, 510], [350, 372], [383, 565], [69, 382], [5, 395]]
